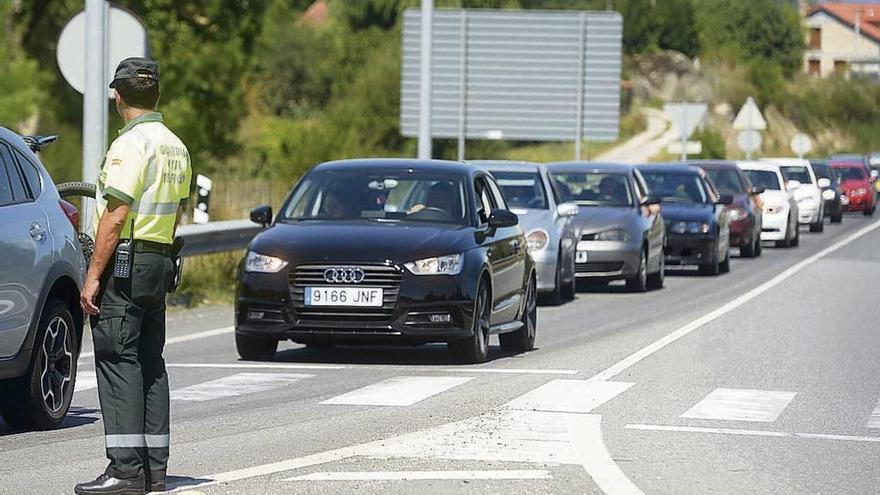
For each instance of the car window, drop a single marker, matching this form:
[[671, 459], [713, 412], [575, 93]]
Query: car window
[[764, 179], [16, 181], [522, 189], [822, 171], [677, 187], [726, 181], [31, 173], [484, 200], [5, 187], [800, 174], [497, 196], [594, 188], [850, 173], [641, 189]]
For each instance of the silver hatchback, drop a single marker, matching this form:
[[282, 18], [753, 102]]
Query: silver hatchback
[[41, 273]]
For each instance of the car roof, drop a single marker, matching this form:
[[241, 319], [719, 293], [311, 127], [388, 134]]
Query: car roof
[[581, 166], [506, 165], [787, 161], [845, 164], [753, 165], [397, 164], [714, 164], [676, 168]]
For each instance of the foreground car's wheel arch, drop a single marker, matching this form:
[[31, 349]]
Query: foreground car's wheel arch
[[66, 290]]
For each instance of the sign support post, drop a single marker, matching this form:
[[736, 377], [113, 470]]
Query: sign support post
[[579, 125], [462, 87], [95, 100], [425, 81]]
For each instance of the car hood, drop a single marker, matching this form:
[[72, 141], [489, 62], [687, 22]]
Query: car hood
[[775, 197], [688, 212], [598, 218], [361, 241]]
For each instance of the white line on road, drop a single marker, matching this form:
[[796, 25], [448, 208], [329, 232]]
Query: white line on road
[[260, 366], [736, 404], [755, 433], [655, 346], [399, 391], [436, 369], [596, 459], [184, 338], [235, 385], [874, 420], [85, 380], [499, 474], [575, 396], [512, 371]]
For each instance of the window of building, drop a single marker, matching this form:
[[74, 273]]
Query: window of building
[[816, 38], [814, 67], [840, 66]]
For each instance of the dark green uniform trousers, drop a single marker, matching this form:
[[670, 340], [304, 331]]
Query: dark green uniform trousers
[[129, 336]]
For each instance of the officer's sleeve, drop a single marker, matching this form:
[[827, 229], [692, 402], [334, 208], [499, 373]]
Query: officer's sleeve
[[123, 172]]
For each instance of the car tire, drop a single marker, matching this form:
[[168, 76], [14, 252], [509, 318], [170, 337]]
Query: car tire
[[749, 250], [475, 349], [870, 213], [818, 226], [796, 241], [41, 398], [837, 218], [712, 268], [724, 266], [639, 281], [570, 289], [759, 247], [657, 279], [252, 348], [555, 297], [523, 340]]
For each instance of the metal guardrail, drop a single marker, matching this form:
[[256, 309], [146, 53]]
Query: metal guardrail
[[216, 237]]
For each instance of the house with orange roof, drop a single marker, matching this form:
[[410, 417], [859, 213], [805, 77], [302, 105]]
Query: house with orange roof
[[843, 38]]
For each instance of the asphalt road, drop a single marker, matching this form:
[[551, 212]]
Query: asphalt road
[[764, 380]]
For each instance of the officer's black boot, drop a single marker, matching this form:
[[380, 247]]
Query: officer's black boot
[[108, 485]]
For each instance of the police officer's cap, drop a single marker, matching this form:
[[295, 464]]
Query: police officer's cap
[[136, 67]]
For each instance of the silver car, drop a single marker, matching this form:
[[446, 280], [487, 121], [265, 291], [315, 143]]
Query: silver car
[[621, 230], [41, 273], [550, 234]]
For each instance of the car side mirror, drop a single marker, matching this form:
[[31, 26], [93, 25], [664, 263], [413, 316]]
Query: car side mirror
[[650, 200], [792, 185], [567, 210], [758, 190], [262, 215], [823, 183], [500, 219], [725, 199]]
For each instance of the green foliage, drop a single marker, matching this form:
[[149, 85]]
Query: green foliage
[[768, 80], [714, 147], [22, 85], [668, 25]]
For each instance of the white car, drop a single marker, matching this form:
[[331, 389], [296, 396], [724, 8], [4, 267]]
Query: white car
[[802, 182], [781, 209]]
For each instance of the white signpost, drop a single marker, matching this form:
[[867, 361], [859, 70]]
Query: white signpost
[[801, 144], [685, 117], [749, 141], [749, 121]]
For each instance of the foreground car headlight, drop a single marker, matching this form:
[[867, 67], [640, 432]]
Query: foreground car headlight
[[261, 263], [441, 265], [617, 235], [737, 214], [537, 240]]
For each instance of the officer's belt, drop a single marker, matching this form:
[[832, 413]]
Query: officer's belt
[[139, 246]]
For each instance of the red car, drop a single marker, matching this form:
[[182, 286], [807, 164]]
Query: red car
[[857, 186]]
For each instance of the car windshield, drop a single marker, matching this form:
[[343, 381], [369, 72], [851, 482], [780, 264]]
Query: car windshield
[[522, 189], [726, 181], [676, 187], [594, 188], [379, 195], [764, 179], [822, 171], [850, 173], [799, 174]]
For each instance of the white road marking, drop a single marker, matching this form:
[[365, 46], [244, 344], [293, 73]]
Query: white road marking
[[755, 433], [597, 461], [737, 404], [658, 344], [252, 366], [184, 338], [874, 420], [85, 380], [235, 385], [512, 371], [399, 391], [576, 396], [424, 475]]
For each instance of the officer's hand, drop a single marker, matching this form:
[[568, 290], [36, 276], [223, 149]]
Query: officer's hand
[[88, 295]]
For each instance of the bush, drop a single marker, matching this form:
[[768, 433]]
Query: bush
[[713, 144]]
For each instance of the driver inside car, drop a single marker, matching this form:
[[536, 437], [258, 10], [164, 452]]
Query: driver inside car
[[441, 196]]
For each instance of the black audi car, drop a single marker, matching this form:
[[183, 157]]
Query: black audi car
[[697, 221], [388, 251]]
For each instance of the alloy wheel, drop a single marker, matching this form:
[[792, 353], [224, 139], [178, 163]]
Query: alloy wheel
[[483, 323], [56, 365], [531, 310]]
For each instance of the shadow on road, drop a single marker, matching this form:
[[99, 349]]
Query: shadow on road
[[77, 416], [424, 355], [177, 482]]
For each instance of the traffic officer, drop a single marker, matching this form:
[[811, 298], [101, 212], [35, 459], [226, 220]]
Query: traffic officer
[[143, 182]]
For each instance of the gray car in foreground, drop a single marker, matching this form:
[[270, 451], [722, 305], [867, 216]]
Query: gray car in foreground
[[547, 222], [621, 230], [41, 272]]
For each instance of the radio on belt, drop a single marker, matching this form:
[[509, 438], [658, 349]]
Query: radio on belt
[[122, 265]]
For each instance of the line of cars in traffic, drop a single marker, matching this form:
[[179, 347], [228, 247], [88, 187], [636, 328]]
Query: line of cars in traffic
[[403, 251]]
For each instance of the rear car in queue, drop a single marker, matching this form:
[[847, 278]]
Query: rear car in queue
[[780, 207], [856, 184], [697, 221], [621, 232], [746, 215], [832, 193], [547, 222], [388, 251]]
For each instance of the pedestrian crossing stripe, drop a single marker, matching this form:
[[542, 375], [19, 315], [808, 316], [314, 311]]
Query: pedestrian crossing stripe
[[399, 391], [735, 404], [235, 385]]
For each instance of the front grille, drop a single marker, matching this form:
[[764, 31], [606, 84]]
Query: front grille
[[599, 267], [386, 277]]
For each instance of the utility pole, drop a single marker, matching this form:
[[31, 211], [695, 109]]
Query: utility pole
[[95, 98], [425, 81]]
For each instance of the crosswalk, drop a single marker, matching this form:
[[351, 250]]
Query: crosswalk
[[556, 395]]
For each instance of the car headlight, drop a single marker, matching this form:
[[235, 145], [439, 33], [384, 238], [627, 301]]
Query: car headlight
[[828, 194], [697, 227], [844, 199], [450, 264], [261, 263], [537, 240], [737, 214], [617, 235]]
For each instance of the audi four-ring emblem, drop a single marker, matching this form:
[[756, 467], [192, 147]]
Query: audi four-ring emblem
[[344, 275]]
